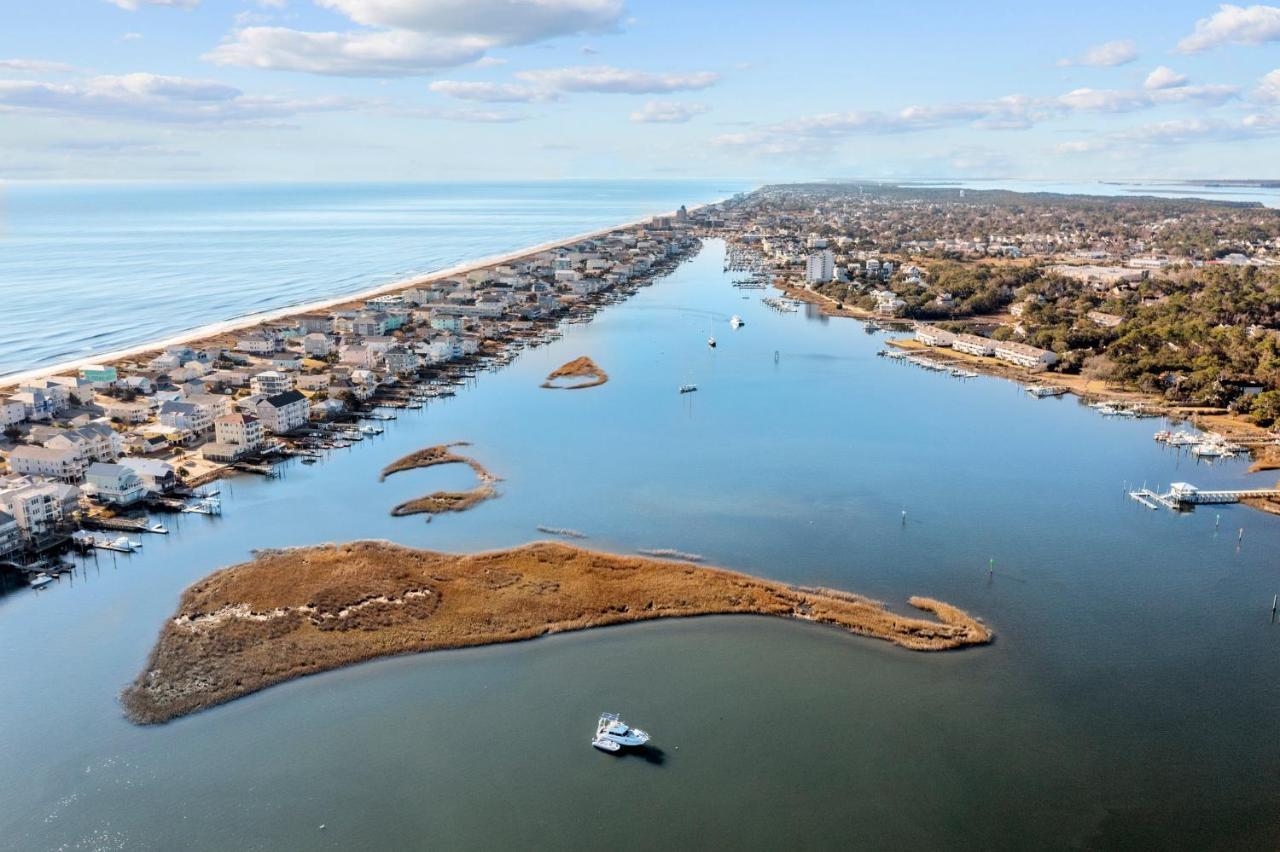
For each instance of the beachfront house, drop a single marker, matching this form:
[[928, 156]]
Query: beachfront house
[[36, 404], [114, 484], [257, 343], [284, 412]]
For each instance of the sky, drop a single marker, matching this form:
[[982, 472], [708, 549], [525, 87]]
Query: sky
[[353, 90]]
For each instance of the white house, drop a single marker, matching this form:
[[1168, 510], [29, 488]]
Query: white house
[[284, 412], [12, 412], [241, 430], [158, 476], [64, 464], [317, 345], [270, 383], [1023, 355], [185, 416], [973, 344], [38, 507], [931, 336], [114, 483]]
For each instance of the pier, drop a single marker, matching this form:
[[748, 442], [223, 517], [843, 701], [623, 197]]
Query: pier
[[1183, 495]]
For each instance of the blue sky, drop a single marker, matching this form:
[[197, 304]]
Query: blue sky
[[472, 89]]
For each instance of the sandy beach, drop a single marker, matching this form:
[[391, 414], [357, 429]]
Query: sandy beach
[[249, 320]]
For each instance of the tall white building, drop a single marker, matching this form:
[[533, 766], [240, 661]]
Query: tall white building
[[820, 267]]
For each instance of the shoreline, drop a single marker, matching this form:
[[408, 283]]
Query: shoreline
[[214, 329], [290, 613]]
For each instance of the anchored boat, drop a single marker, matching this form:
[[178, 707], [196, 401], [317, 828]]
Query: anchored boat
[[613, 734]]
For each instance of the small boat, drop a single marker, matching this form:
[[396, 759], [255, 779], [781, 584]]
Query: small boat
[[688, 388], [619, 732], [42, 579], [158, 529], [736, 321], [606, 745], [711, 341]]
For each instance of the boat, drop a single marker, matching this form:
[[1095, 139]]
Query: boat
[[158, 529], [736, 321], [711, 341], [1041, 391], [612, 728], [606, 745], [688, 388], [40, 580]]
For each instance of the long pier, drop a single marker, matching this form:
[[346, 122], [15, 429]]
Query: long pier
[[1183, 495]]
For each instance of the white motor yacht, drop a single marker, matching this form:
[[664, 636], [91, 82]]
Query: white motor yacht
[[40, 580], [617, 731]]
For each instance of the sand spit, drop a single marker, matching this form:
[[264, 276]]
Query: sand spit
[[562, 531], [289, 613], [668, 553], [442, 501], [583, 366]]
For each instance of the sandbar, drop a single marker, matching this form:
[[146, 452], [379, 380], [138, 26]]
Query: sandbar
[[289, 613]]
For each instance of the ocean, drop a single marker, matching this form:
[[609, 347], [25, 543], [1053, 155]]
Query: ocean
[[92, 268]]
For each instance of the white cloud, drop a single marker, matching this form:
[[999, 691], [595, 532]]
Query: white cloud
[[156, 98], [412, 37], [1164, 77], [35, 66], [1234, 25], [495, 21], [389, 53], [668, 112], [131, 37], [1269, 88], [821, 134], [1129, 100], [134, 5], [1138, 141], [1106, 55], [603, 78], [474, 116], [492, 92]]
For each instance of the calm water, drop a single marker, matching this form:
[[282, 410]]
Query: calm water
[[88, 268], [1129, 700]]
